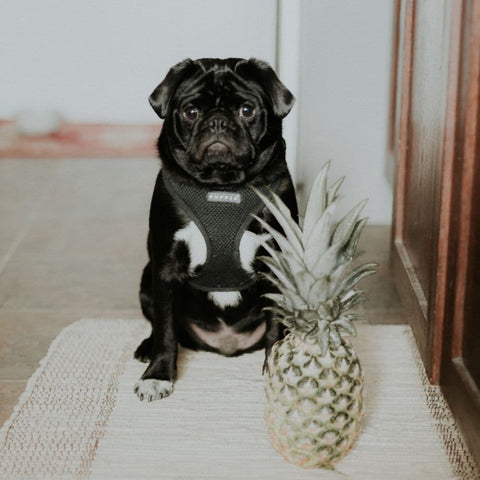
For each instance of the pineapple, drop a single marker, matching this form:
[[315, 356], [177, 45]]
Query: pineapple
[[313, 378]]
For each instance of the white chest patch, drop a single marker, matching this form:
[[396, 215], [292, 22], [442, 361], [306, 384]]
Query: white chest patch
[[248, 248], [226, 340], [225, 299], [197, 247], [249, 244]]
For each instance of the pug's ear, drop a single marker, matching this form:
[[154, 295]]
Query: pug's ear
[[281, 98], [161, 96]]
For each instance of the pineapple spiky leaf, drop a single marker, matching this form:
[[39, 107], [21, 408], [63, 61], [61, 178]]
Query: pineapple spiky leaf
[[350, 248], [282, 274], [317, 201], [317, 291], [354, 298], [346, 225], [283, 242], [326, 262], [353, 277], [291, 263], [346, 324], [332, 193], [319, 237], [284, 217], [276, 298], [292, 298], [311, 269]]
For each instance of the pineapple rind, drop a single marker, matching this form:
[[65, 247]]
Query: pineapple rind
[[314, 401]]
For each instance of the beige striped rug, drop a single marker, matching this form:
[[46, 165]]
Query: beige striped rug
[[79, 418]]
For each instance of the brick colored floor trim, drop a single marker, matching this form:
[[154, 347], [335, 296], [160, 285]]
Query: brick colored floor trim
[[74, 140]]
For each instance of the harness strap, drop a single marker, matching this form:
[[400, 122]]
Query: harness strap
[[222, 214]]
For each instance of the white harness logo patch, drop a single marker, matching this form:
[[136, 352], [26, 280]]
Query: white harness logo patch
[[224, 197]]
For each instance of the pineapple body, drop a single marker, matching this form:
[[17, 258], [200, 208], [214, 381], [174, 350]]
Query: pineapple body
[[313, 402]]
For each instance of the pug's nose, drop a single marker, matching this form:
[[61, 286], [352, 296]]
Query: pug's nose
[[218, 124]]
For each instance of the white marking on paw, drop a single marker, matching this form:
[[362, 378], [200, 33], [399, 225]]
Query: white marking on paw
[[225, 299], [249, 244], [195, 242], [152, 389]]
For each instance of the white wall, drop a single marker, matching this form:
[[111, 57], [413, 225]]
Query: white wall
[[98, 60], [343, 105]]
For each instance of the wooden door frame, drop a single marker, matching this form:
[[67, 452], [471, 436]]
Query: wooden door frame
[[407, 281], [428, 318]]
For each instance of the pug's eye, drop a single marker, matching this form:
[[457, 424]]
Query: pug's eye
[[247, 110], [191, 113]]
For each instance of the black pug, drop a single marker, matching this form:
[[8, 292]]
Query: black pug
[[222, 134]]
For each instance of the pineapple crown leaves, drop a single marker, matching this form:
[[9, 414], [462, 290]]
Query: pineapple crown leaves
[[310, 268]]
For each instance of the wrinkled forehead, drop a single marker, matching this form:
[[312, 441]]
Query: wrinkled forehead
[[220, 85]]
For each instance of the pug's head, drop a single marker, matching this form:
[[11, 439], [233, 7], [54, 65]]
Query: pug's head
[[221, 118]]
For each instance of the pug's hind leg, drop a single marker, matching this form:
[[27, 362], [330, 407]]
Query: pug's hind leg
[[143, 353]]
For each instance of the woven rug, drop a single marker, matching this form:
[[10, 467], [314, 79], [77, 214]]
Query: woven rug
[[79, 418]]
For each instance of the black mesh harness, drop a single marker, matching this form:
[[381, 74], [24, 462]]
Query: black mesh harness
[[222, 214]]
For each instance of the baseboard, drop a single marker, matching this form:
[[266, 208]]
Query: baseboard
[[75, 140], [416, 305]]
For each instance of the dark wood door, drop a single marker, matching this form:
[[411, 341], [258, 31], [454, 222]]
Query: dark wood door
[[436, 238], [460, 372]]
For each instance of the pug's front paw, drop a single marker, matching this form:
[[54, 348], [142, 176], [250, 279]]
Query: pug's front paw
[[152, 389]]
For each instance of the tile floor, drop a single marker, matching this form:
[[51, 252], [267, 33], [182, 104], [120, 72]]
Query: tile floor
[[72, 245]]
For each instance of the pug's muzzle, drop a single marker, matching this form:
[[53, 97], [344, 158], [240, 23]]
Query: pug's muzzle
[[218, 146]]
